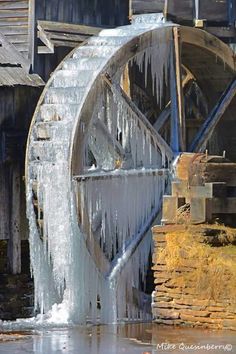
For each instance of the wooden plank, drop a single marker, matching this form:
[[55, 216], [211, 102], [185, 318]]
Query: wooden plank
[[13, 14], [14, 22], [205, 132], [12, 30], [14, 4], [68, 28], [66, 36], [22, 47], [66, 43], [147, 6], [17, 38]]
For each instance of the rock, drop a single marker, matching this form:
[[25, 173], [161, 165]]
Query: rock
[[160, 281], [163, 298], [215, 309], [166, 314], [229, 323], [222, 315], [162, 304], [187, 317], [196, 313], [191, 302], [167, 322]]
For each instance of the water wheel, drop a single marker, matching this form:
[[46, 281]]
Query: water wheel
[[108, 125]]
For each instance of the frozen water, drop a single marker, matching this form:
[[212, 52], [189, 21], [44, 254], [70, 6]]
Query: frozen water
[[157, 57], [69, 287], [148, 19]]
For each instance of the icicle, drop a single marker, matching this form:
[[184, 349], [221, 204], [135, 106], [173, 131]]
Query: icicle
[[157, 56]]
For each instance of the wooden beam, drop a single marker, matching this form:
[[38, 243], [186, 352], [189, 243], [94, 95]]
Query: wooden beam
[[42, 35], [112, 142], [69, 28], [140, 116], [163, 117], [44, 50], [165, 11], [15, 53], [32, 32], [121, 259], [213, 119], [119, 174], [179, 88]]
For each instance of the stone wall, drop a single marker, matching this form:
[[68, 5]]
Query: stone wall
[[177, 300]]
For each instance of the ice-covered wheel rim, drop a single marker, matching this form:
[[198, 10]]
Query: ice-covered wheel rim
[[90, 148]]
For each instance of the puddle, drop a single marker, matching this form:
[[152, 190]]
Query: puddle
[[141, 338]]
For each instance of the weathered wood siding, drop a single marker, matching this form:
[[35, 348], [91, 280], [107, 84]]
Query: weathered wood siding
[[16, 106], [14, 19], [210, 10], [182, 10], [100, 13], [214, 10], [185, 10], [93, 12], [148, 6]]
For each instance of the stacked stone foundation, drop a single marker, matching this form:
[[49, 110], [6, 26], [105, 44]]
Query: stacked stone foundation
[[183, 305]]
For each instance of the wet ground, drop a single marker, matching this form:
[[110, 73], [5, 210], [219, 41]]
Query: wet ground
[[128, 338]]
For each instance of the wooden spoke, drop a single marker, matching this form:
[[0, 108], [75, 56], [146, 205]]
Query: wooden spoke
[[178, 131], [163, 117], [101, 175], [159, 141], [213, 119]]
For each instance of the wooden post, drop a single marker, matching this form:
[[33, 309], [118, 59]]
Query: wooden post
[[165, 11], [178, 131], [32, 32], [130, 10], [14, 245]]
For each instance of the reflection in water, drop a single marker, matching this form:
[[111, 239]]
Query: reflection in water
[[141, 338]]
